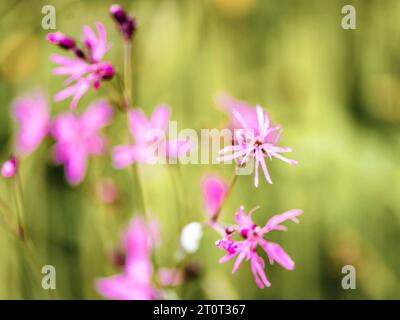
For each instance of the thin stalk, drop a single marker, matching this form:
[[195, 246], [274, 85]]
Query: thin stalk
[[138, 183], [128, 74], [177, 195], [5, 213], [26, 243], [129, 103], [19, 205]]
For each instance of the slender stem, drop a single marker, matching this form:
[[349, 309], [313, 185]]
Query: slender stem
[[128, 74], [138, 183], [19, 204], [177, 195], [128, 103], [5, 213], [26, 243], [228, 192]]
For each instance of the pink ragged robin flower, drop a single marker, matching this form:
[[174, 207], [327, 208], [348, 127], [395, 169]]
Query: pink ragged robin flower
[[77, 137], [150, 142], [135, 282], [86, 68], [33, 116], [254, 141], [253, 237]]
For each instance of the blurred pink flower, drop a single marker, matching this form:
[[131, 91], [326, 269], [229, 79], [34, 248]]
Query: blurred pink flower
[[253, 237], [77, 137], [33, 116], [84, 69], [214, 191], [254, 142], [135, 282], [150, 142], [107, 191], [9, 167]]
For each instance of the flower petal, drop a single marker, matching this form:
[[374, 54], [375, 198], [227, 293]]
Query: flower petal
[[214, 191]]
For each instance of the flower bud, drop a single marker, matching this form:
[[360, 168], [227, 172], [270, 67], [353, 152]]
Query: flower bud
[[107, 71], [9, 168], [62, 40], [127, 25], [118, 13], [79, 53], [229, 230]]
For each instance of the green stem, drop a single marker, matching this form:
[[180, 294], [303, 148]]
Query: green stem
[[26, 243], [128, 74], [19, 204], [138, 183], [177, 195], [128, 103], [5, 213]]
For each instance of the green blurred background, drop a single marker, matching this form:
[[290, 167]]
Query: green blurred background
[[335, 91]]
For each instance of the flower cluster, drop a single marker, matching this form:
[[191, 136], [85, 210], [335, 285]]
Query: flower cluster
[[77, 137], [254, 139]]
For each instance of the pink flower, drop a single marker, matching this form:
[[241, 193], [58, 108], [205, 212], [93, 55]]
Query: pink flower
[[150, 142], [83, 70], [253, 236], [77, 137], [33, 115], [214, 191], [9, 167], [135, 282], [256, 142]]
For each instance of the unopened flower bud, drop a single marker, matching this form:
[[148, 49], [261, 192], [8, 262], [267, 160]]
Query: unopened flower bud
[[127, 25], [62, 40], [9, 168], [229, 230], [129, 28], [79, 53], [118, 13], [107, 71]]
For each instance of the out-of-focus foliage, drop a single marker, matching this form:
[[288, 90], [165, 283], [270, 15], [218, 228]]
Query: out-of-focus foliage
[[336, 92]]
